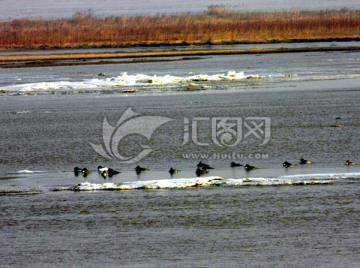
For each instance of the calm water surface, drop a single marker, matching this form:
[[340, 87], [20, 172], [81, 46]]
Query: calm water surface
[[217, 227]]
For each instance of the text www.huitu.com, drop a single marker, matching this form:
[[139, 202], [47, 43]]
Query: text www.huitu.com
[[224, 156]]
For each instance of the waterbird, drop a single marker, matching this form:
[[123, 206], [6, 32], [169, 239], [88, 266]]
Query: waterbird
[[107, 172], [112, 172], [139, 169], [77, 170], [172, 171], [233, 164], [203, 166], [200, 171], [102, 169], [350, 163], [248, 167], [83, 171], [302, 161], [286, 164]]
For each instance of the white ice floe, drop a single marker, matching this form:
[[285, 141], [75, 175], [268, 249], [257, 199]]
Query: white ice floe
[[288, 180], [145, 81], [183, 183], [275, 182], [323, 176], [87, 186], [196, 182], [125, 80], [26, 171], [155, 184]]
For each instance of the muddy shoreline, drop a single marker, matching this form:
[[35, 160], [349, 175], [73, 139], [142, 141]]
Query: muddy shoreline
[[69, 59]]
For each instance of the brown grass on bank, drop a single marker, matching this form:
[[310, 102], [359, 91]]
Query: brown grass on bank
[[216, 25]]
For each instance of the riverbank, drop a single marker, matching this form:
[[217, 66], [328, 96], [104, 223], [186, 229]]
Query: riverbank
[[69, 59], [213, 26]]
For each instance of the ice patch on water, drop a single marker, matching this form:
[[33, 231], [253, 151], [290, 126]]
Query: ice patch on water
[[130, 83], [26, 171], [323, 176], [287, 180], [202, 182], [154, 184], [126, 80], [275, 182]]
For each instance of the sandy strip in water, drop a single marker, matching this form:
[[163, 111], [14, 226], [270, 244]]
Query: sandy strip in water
[[62, 59]]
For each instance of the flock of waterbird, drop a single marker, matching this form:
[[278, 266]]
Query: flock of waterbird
[[201, 168], [105, 172]]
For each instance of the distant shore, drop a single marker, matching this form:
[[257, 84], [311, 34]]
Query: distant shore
[[169, 34], [214, 26], [68, 59]]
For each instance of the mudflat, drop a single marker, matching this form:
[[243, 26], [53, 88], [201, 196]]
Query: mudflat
[[64, 59]]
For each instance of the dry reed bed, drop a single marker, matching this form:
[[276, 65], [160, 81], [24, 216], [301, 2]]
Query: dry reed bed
[[216, 25]]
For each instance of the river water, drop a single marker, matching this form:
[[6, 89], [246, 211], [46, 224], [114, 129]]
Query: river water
[[252, 109]]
